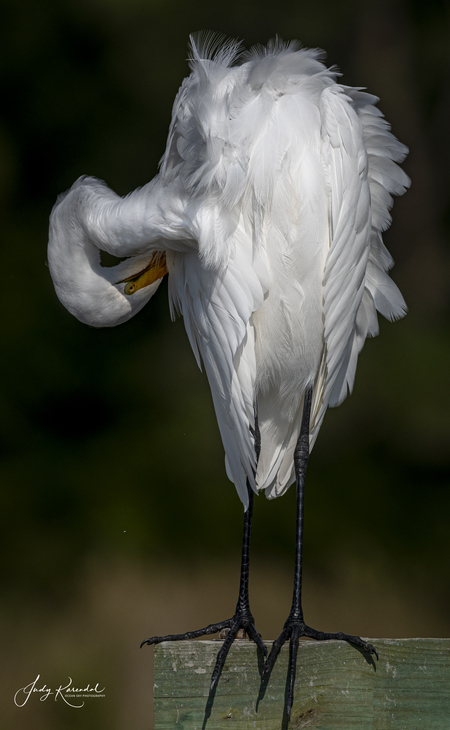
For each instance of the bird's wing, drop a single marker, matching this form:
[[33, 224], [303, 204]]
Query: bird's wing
[[359, 155], [217, 311], [217, 287]]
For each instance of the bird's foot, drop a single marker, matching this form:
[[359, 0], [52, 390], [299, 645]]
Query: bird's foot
[[294, 629], [236, 627]]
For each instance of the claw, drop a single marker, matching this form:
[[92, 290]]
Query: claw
[[211, 629], [234, 626], [275, 650], [222, 655], [292, 669], [293, 630], [255, 636]]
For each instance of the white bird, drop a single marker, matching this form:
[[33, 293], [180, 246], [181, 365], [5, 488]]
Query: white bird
[[267, 215]]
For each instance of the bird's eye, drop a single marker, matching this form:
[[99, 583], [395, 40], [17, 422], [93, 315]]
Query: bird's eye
[[155, 270]]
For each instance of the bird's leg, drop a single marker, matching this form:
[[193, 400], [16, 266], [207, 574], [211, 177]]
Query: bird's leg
[[295, 627], [242, 619]]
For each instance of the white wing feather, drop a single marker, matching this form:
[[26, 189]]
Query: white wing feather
[[359, 155], [217, 311]]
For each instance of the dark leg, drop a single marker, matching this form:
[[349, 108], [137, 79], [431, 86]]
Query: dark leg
[[242, 618], [295, 626]]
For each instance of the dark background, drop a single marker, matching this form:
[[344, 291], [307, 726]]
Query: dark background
[[117, 520]]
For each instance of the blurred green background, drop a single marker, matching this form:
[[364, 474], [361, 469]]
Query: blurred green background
[[117, 519]]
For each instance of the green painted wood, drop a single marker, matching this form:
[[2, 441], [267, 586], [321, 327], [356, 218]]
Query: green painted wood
[[337, 686]]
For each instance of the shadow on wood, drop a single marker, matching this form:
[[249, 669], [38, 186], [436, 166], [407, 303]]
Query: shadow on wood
[[336, 686]]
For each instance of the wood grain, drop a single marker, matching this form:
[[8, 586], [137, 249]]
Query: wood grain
[[337, 686]]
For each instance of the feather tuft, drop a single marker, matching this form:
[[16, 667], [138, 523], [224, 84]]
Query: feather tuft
[[206, 45]]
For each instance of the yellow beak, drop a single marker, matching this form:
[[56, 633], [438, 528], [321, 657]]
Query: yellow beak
[[155, 270]]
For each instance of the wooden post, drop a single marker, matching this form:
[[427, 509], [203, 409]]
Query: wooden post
[[337, 686]]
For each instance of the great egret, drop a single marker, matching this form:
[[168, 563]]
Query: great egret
[[267, 215]]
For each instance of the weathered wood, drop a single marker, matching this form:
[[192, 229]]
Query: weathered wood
[[337, 686]]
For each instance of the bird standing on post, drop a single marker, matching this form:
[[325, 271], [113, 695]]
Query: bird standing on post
[[266, 215]]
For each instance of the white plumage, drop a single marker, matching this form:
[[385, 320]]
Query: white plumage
[[273, 193]]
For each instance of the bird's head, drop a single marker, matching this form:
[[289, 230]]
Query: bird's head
[[97, 295]]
